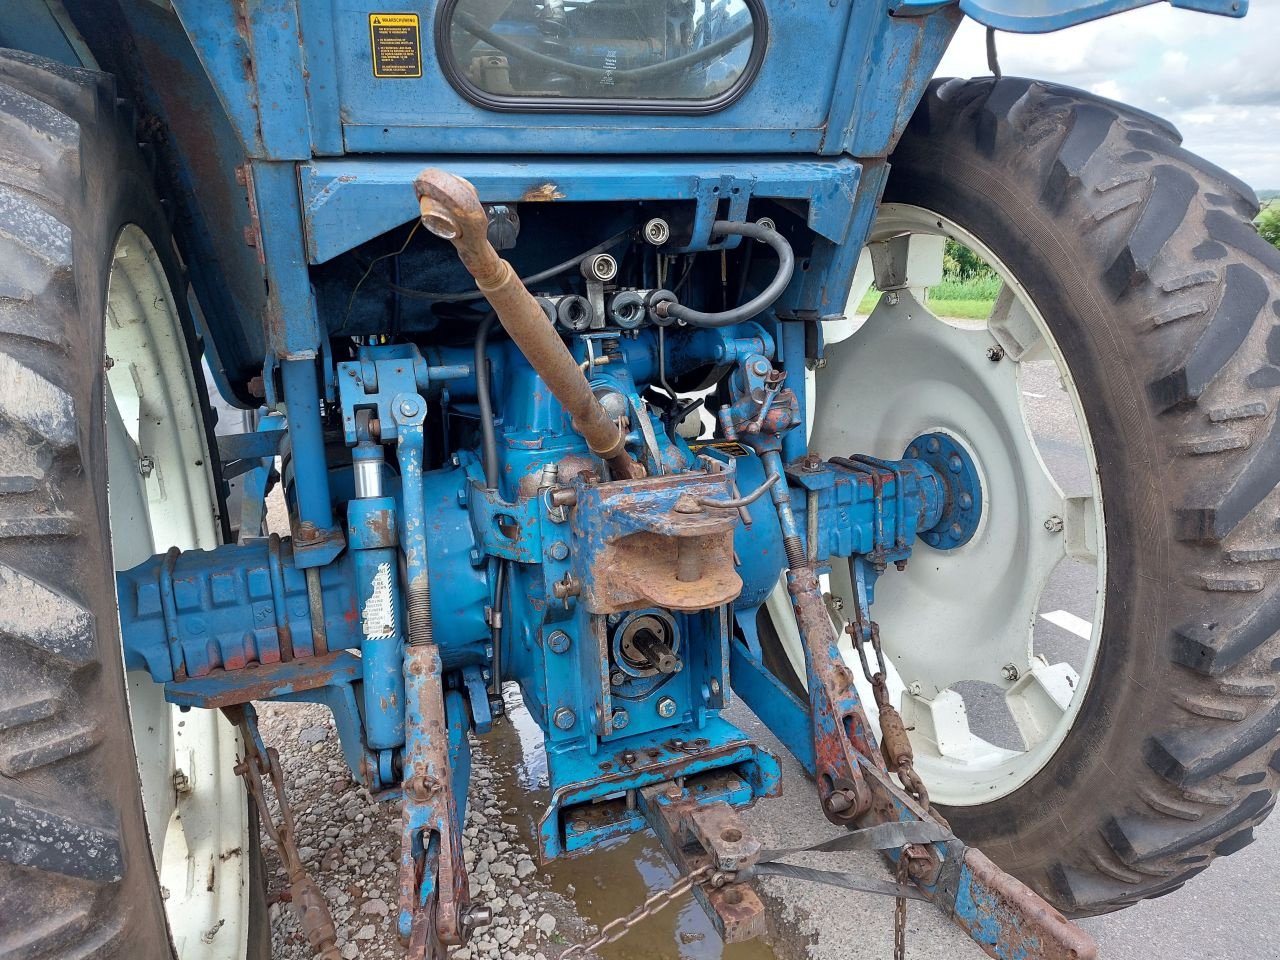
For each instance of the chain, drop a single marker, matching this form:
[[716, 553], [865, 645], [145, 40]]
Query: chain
[[900, 913], [895, 744], [659, 901], [898, 757], [308, 900]]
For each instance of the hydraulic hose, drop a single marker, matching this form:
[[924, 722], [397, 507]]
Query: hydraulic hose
[[451, 209], [488, 441], [758, 303]]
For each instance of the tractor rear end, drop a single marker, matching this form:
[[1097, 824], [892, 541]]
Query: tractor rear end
[[550, 311]]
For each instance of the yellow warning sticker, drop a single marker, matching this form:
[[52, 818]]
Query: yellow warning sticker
[[396, 44], [730, 447]]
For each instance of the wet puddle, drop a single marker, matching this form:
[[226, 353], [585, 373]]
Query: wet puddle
[[613, 880]]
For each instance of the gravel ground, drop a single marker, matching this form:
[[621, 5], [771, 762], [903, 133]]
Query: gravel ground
[[351, 843]]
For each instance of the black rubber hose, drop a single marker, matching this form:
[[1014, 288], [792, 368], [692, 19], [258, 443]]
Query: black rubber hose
[[759, 303], [488, 441]]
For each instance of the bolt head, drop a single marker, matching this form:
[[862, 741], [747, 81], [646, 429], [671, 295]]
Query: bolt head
[[408, 408], [559, 641], [715, 687], [995, 353], [966, 501], [666, 708], [933, 445], [564, 719], [838, 802], [954, 463], [620, 719], [617, 678], [1054, 524], [1010, 672], [558, 550], [475, 556]]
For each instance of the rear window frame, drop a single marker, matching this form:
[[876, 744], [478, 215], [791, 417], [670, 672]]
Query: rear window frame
[[458, 80]]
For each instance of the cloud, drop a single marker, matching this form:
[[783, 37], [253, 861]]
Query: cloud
[[1214, 77]]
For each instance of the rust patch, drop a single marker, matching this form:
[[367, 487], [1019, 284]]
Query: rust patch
[[542, 193], [1026, 924]]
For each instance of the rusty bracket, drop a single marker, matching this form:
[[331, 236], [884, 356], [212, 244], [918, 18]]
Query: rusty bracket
[[434, 893], [842, 737], [696, 834], [1003, 916]]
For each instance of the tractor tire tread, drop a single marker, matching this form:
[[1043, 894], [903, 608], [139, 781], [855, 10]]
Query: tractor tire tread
[[1167, 242], [76, 878]]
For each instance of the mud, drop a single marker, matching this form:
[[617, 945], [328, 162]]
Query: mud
[[609, 882]]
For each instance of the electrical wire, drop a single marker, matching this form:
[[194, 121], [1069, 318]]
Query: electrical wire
[[369, 269]]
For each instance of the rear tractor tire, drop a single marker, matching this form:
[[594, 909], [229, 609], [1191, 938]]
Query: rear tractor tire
[[1153, 293], [98, 788]]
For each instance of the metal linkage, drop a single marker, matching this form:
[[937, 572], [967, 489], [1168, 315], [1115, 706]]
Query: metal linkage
[[853, 775], [435, 899], [305, 894]]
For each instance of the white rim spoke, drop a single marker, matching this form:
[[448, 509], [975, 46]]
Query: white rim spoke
[[1015, 329], [1039, 698], [1080, 528]]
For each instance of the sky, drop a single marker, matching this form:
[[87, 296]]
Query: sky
[[1216, 78]]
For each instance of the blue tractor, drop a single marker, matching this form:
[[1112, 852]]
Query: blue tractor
[[590, 343]]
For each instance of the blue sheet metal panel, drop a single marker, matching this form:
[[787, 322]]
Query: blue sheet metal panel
[[320, 57], [346, 202], [198, 159], [428, 114], [1044, 16], [291, 325], [881, 80], [29, 25], [253, 53]]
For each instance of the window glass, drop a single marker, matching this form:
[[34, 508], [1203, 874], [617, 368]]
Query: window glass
[[644, 50]]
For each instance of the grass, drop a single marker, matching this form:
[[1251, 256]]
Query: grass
[[969, 299]]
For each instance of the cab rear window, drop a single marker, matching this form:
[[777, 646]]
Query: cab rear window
[[636, 55]]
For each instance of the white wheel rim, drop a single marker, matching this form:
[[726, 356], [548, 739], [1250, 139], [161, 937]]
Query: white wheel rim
[[194, 803], [966, 614]]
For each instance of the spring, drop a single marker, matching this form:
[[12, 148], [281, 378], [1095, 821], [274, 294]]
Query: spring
[[420, 612], [796, 558]]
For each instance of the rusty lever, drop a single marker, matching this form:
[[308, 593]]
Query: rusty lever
[[450, 208]]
